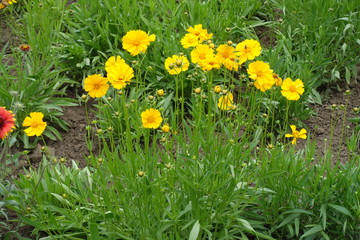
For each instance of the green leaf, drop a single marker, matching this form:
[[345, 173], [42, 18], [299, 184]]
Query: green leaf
[[288, 219], [195, 231], [340, 209], [311, 231], [347, 75], [94, 231], [272, 174]]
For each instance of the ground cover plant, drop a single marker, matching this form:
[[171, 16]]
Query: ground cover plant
[[194, 116]]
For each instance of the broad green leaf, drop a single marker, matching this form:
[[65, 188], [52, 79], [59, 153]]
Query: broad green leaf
[[340, 209], [195, 231], [311, 231]]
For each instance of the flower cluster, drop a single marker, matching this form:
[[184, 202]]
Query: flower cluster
[[226, 55], [119, 73]]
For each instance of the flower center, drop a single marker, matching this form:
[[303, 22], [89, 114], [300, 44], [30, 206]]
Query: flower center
[[34, 125], [296, 134], [136, 42], [96, 86], [151, 119], [292, 89]]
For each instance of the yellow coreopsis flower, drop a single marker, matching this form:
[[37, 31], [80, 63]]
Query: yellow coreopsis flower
[[292, 90], [151, 118], [277, 79], [248, 50], [96, 85], [217, 89], [176, 64], [263, 85], [199, 32], [296, 134], [110, 63], [226, 102], [200, 53], [120, 74], [210, 62], [189, 40], [165, 128], [225, 52], [226, 56], [35, 124], [261, 72], [137, 41]]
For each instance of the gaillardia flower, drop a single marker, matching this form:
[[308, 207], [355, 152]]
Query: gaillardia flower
[[96, 85], [24, 47], [296, 134], [176, 64], [292, 90], [151, 118], [248, 50], [7, 122], [225, 102], [35, 124], [137, 41]]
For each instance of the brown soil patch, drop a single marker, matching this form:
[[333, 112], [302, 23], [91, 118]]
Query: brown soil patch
[[331, 128]]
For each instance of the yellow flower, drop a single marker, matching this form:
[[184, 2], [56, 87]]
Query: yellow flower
[[260, 71], [120, 74], [189, 40], [217, 89], [160, 92], [35, 124], [110, 63], [226, 56], [292, 90], [96, 85], [151, 118], [176, 64], [277, 79], [199, 32], [165, 128], [200, 53], [137, 41], [296, 134], [248, 50], [210, 62], [263, 86], [225, 102], [225, 52]]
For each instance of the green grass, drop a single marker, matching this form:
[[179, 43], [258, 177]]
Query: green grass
[[217, 174]]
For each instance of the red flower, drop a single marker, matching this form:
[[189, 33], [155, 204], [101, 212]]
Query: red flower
[[24, 47], [7, 122]]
